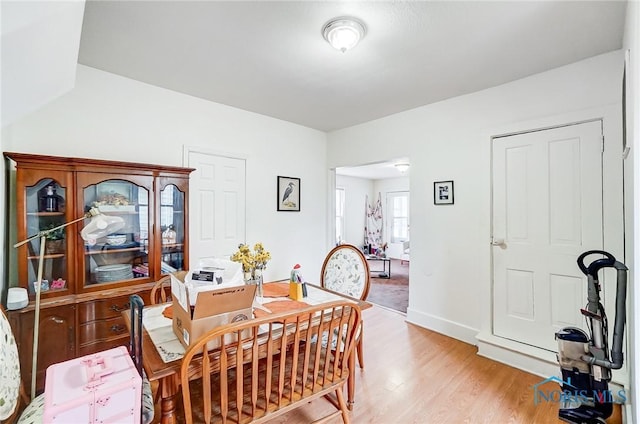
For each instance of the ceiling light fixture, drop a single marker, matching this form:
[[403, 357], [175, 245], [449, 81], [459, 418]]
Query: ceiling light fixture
[[402, 167], [343, 33]]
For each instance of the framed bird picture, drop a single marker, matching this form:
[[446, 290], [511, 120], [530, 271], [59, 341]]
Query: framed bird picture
[[288, 194]]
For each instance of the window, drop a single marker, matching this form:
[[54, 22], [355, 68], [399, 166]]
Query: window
[[398, 207], [339, 215]]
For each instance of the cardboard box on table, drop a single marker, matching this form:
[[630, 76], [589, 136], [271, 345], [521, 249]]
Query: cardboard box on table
[[212, 308], [104, 387]]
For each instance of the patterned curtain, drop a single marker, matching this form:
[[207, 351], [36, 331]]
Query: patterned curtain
[[373, 223]]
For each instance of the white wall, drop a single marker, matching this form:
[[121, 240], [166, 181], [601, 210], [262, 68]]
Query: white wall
[[40, 41], [110, 117], [356, 191], [450, 140], [390, 185], [632, 194]]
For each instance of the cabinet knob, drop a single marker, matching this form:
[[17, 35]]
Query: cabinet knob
[[118, 328], [116, 308]]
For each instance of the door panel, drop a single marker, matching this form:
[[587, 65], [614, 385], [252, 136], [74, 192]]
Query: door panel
[[518, 194], [206, 221], [520, 294], [566, 300], [547, 206], [231, 214], [218, 196]]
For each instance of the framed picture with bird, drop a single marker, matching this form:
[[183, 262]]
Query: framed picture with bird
[[288, 194]]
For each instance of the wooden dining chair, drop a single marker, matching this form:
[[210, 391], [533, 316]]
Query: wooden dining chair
[[135, 350], [345, 270], [253, 371], [161, 291]]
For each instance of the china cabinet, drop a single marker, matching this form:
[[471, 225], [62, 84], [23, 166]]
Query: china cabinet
[[86, 284]]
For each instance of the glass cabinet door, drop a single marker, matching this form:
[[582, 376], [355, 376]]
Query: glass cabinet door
[[124, 255], [172, 225], [45, 210]]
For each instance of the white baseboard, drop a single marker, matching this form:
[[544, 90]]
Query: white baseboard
[[518, 355], [627, 414], [527, 358], [443, 326]]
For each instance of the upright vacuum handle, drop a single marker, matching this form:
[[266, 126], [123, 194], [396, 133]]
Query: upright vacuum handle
[[596, 265], [594, 305]]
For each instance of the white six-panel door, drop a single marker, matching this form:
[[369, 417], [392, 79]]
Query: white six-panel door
[[547, 210], [217, 195]]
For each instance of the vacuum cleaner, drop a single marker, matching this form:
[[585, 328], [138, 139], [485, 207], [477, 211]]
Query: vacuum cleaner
[[585, 360]]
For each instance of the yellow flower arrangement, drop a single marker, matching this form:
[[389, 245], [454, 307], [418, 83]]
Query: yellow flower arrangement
[[261, 256], [251, 260]]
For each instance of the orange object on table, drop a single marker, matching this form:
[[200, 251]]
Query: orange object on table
[[275, 290], [279, 306], [168, 312]]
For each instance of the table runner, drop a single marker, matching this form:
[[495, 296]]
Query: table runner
[[278, 306], [161, 333], [275, 290]]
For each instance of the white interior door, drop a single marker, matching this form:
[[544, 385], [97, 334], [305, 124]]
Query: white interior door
[[217, 192], [547, 210]]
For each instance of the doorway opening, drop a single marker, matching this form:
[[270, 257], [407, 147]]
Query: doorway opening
[[358, 187]]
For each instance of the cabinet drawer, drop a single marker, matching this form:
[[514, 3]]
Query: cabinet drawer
[[97, 347], [103, 330], [103, 309]]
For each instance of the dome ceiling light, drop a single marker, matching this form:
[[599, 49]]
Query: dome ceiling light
[[343, 33], [402, 167]]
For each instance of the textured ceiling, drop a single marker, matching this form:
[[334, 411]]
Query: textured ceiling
[[270, 57]]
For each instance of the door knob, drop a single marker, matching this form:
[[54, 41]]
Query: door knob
[[498, 242]]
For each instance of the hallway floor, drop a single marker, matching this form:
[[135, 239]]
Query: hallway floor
[[391, 293]]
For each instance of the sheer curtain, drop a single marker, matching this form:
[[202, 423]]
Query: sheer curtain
[[373, 223]]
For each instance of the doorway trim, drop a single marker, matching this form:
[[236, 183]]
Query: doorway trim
[[331, 205]]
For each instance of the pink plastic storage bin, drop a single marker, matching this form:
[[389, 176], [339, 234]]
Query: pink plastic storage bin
[[101, 388]]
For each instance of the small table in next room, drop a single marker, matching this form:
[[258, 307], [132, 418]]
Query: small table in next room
[[384, 273]]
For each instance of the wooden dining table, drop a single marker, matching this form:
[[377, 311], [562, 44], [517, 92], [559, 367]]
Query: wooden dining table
[[162, 357]]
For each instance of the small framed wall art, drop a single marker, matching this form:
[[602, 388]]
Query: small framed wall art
[[443, 193], [288, 194]]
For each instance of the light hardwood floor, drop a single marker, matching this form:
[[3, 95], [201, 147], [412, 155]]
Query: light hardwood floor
[[413, 375]]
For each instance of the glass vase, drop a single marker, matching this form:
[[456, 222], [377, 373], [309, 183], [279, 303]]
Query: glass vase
[[257, 277], [248, 277]]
